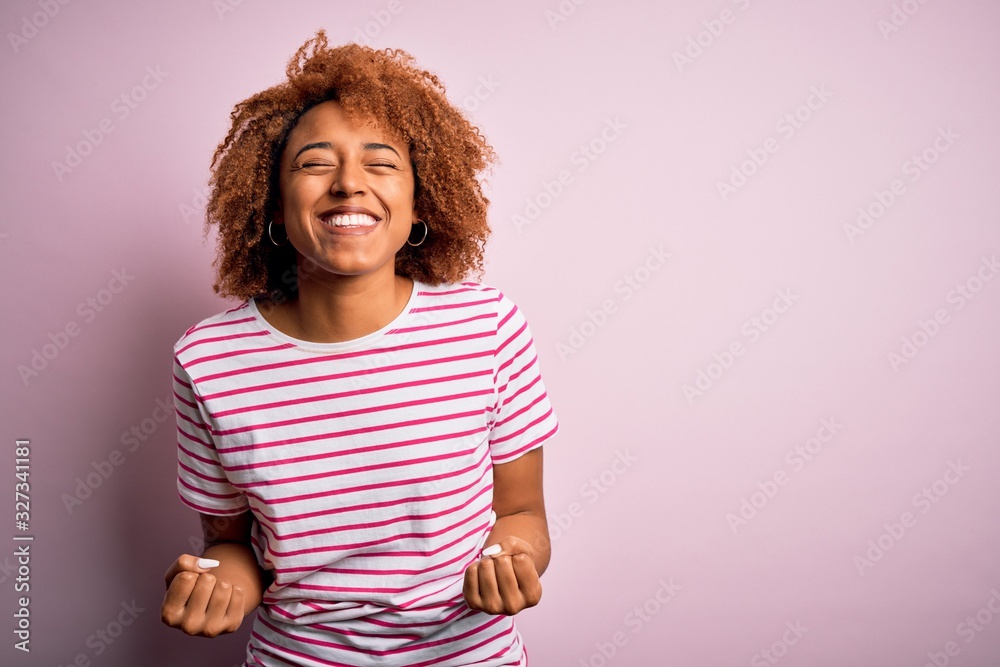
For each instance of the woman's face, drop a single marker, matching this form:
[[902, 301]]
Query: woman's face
[[346, 194]]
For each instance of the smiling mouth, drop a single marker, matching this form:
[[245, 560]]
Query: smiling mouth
[[349, 220]]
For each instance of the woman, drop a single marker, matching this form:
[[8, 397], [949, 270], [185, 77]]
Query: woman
[[362, 436]]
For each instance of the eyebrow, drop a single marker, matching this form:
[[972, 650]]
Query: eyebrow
[[370, 146]]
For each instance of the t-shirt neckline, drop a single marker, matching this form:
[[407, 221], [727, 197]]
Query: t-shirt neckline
[[342, 346]]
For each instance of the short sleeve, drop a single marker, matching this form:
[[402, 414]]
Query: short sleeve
[[523, 418], [201, 480]]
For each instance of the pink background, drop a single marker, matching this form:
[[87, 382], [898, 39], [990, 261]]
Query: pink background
[[648, 566]]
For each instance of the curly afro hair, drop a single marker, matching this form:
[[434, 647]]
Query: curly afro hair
[[448, 155]]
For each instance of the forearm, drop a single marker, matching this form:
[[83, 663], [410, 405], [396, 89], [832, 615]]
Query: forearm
[[238, 565], [528, 526]]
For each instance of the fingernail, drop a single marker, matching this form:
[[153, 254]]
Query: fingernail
[[207, 563], [492, 551]]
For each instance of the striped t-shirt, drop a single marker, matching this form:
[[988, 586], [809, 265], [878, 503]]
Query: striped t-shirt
[[367, 465]]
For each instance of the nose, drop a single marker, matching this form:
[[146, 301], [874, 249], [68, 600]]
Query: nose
[[348, 180]]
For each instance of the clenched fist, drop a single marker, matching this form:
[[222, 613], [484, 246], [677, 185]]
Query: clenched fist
[[505, 580], [198, 602]]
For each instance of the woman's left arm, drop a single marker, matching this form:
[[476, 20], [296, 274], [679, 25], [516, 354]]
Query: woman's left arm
[[506, 580]]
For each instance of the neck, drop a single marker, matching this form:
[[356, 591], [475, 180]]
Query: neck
[[333, 309]]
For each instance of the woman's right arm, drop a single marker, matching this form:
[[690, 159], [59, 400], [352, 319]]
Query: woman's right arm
[[213, 601]]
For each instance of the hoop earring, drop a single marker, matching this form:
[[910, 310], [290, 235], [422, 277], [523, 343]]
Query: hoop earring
[[270, 235], [422, 238]]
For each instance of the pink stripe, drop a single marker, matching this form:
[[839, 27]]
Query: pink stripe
[[505, 419], [528, 366], [439, 325], [398, 444], [461, 290], [450, 306], [359, 431], [389, 503], [374, 543], [522, 429], [196, 457], [207, 510], [194, 438], [325, 378], [351, 413], [459, 611], [389, 652], [523, 389], [346, 633], [375, 524], [224, 323], [239, 353], [517, 452], [217, 339], [216, 480], [516, 334], [264, 641], [517, 354], [382, 572], [506, 318], [202, 492], [186, 385], [329, 358], [193, 406], [349, 393], [353, 489], [197, 425], [327, 474], [384, 554]]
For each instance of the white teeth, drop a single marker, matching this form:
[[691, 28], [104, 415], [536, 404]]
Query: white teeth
[[350, 220]]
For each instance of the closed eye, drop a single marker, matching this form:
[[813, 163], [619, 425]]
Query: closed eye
[[312, 166]]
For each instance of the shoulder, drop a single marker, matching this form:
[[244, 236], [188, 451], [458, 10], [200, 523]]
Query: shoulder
[[457, 292], [213, 328], [467, 293], [480, 299]]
